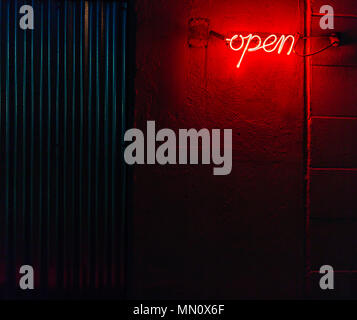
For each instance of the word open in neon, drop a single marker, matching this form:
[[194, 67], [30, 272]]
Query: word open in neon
[[251, 43]]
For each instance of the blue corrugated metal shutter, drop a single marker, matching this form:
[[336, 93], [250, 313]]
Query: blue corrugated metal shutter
[[62, 109]]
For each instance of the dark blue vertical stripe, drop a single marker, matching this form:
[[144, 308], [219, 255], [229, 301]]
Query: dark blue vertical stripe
[[1, 106], [15, 144], [1, 17], [90, 236], [114, 142], [81, 181], [123, 128], [24, 140], [57, 236], [32, 149], [97, 134], [7, 141], [106, 139], [40, 138], [73, 133], [65, 137], [49, 127]]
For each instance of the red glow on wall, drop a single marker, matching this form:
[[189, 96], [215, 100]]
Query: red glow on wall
[[251, 43]]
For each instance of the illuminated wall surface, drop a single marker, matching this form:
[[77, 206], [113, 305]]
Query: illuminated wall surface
[[287, 208], [248, 235]]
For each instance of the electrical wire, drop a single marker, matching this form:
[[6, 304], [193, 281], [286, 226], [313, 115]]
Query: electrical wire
[[332, 44], [316, 52]]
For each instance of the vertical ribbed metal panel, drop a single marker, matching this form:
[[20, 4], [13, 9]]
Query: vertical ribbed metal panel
[[62, 114]]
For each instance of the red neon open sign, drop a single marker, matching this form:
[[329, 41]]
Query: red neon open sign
[[251, 43]]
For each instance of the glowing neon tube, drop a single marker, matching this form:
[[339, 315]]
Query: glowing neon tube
[[251, 43]]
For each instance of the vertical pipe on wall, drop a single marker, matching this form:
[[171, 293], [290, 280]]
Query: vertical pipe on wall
[[307, 77]]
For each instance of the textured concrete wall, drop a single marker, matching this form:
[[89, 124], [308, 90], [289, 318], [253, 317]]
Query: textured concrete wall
[[202, 236]]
